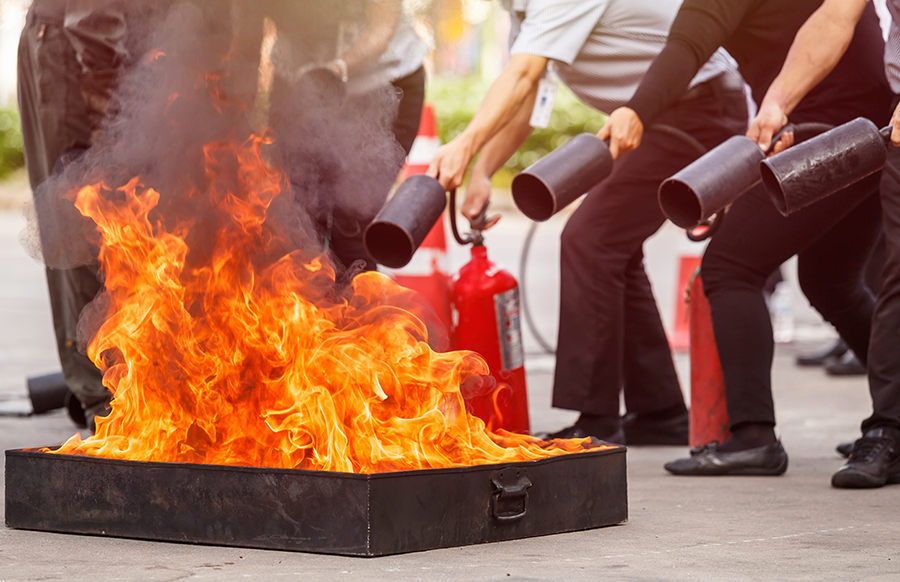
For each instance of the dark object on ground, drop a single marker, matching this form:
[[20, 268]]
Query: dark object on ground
[[844, 449], [641, 430], [707, 460], [315, 511], [874, 461], [824, 355], [47, 392], [50, 392], [400, 227], [846, 365]]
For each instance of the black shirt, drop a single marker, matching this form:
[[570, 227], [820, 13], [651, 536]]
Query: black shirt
[[758, 34]]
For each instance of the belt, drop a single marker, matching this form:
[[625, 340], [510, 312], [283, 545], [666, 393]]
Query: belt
[[726, 81]]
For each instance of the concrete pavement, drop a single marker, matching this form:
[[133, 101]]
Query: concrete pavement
[[794, 527]]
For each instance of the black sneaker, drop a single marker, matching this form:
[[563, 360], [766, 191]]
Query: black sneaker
[[874, 461], [844, 449]]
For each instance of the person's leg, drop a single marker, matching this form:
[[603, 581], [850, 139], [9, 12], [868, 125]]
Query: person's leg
[[649, 377], [753, 241], [71, 291], [884, 348], [832, 274], [654, 416], [875, 458], [53, 119]]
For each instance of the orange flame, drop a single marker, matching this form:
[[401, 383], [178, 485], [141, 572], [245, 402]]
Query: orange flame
[[236, 364]]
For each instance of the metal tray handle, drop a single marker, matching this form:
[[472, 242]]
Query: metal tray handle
[[510, 484]]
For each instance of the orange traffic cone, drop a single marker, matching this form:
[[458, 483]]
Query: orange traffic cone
[[680, 340], [428, 271], [425, 145], [709, 413]]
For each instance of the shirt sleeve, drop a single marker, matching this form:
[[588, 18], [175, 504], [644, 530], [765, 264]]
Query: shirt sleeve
[[700, 27], [557, 29]]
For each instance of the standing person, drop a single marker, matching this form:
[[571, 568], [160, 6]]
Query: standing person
[[69, 54], [610, 337], [383, 50], [374, 84], [832, 238], [875, 458]]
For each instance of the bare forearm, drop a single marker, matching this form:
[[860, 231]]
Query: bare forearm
[[504, 100], [819, 45], [507, 141]]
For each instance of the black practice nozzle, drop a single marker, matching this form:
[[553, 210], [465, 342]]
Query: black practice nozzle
[[712, 182], [819, 167], [562, 176], [395, 234]]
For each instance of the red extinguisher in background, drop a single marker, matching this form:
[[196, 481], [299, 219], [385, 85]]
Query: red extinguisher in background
[[485, 318]]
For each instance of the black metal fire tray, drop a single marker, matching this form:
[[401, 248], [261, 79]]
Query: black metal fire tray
[[315, 511]]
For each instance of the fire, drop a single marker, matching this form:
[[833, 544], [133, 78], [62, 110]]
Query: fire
[[234, 360]]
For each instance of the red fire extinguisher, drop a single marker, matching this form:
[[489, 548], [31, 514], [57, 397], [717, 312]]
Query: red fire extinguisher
[[485, 318]]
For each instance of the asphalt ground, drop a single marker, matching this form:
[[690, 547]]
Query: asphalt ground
[[793, 527]]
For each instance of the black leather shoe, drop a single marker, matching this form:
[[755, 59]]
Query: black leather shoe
[[707, 460], [640, 430], [576, 432], [846, 365], [823, 356], [844, 449], [874, 461]]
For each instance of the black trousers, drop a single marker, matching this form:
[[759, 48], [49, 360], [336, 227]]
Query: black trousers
[[884, 347], [832, 238], [610, 333]]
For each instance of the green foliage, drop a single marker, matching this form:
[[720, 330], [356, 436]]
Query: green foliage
[[456, 101], [11, 156]]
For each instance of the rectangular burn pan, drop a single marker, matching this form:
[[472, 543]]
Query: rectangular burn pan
[[315, 511]]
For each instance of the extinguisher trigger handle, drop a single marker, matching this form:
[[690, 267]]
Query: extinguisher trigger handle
[[483, 221]]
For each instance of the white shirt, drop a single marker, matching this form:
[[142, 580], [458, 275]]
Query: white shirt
[[892, 47], [600, 48]]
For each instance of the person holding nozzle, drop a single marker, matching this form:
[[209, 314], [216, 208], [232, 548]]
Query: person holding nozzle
[[380, 49], [875, 458], [611, 338], [832, 238], [346, 74]]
